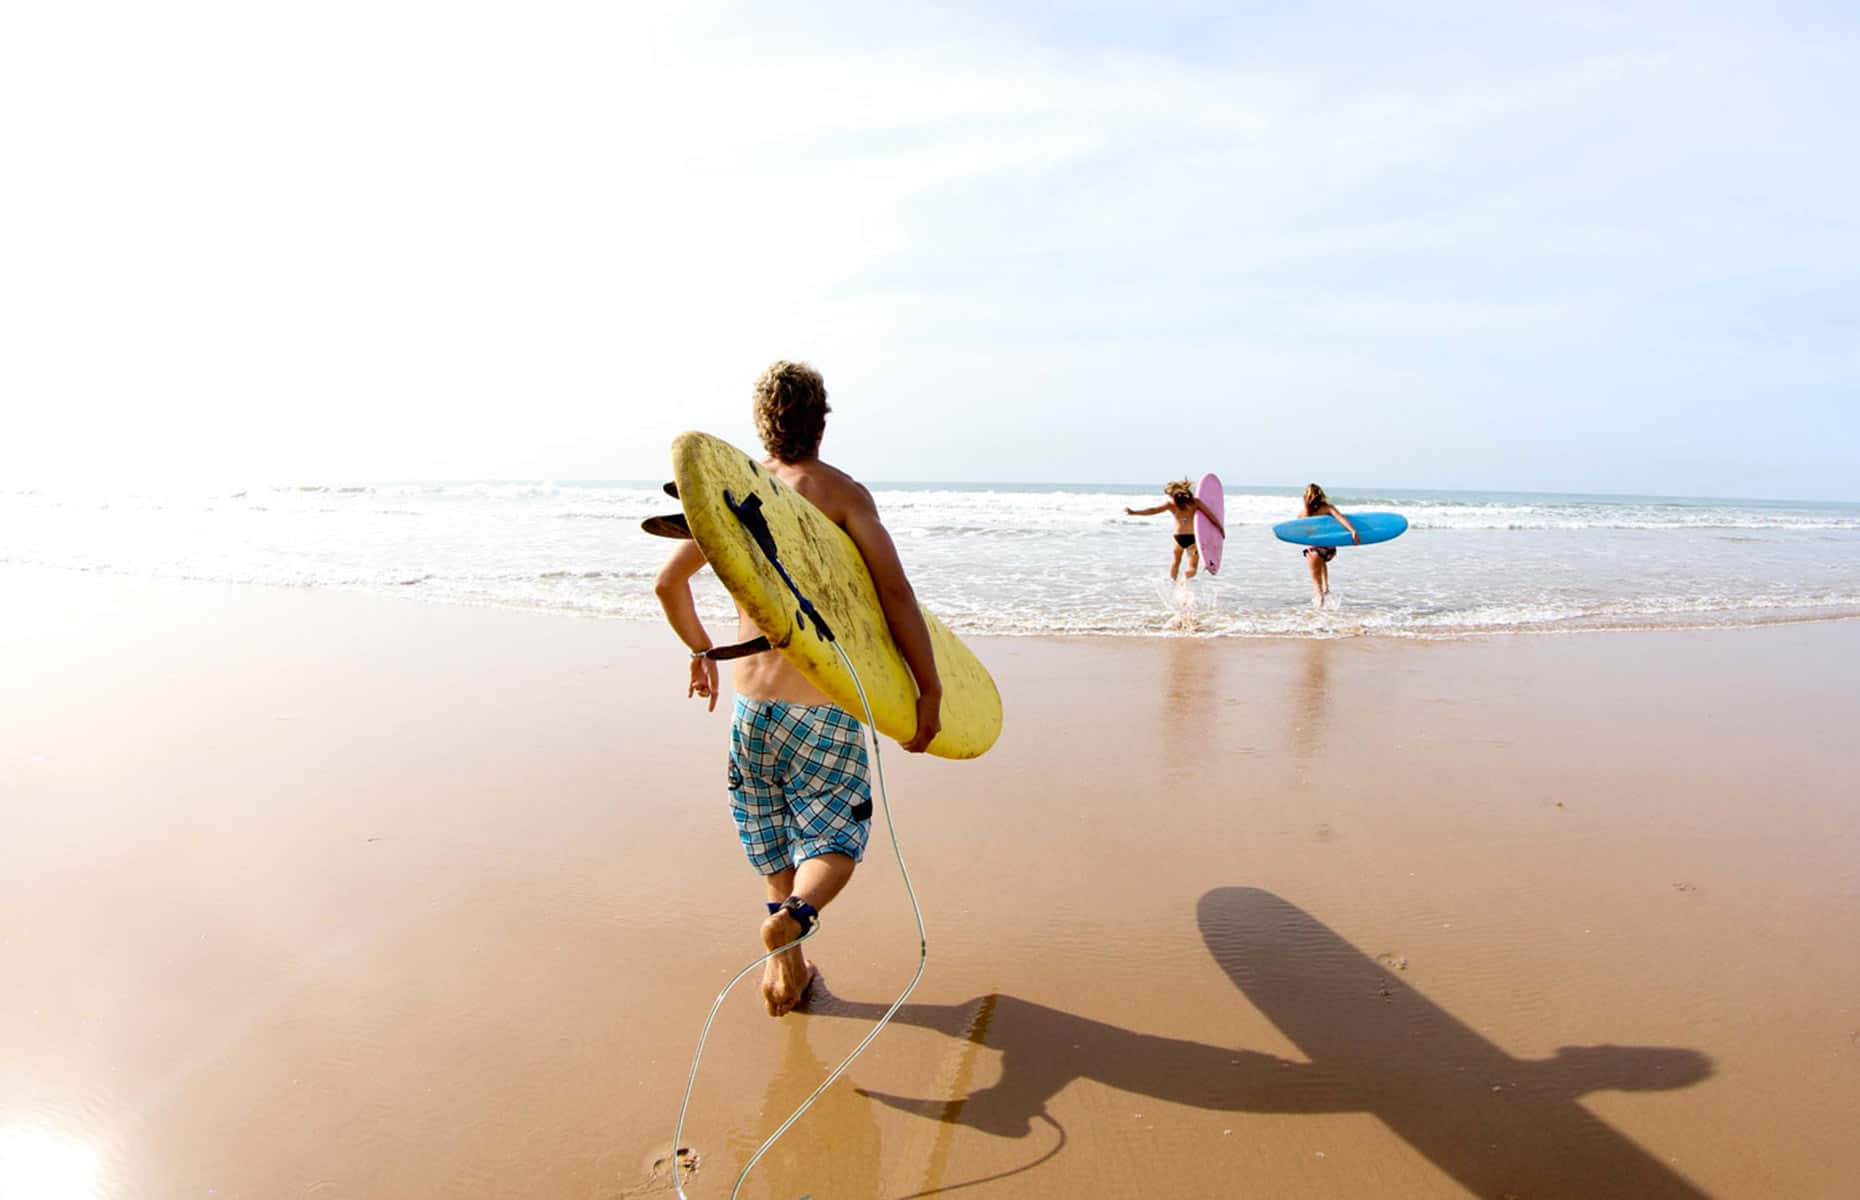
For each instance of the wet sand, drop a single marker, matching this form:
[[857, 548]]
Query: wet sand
[[314, 894]]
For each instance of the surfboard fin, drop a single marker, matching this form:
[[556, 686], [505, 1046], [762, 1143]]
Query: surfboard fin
[[672, 525]]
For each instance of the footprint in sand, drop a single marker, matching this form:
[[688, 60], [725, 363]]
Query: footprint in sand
[[658, 1172]]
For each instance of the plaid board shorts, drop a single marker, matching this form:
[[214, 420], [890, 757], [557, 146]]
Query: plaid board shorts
[[799, 787]]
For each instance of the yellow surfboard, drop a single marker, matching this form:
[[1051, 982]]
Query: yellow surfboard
[[828, 569]]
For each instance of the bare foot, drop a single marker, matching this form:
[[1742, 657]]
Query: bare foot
[[804, 991], [785, 982], [771, 979]]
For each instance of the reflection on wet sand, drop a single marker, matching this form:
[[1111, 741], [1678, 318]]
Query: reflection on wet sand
[[1189, 712], [1496, 1124], [799, 1164], [1311, 705]]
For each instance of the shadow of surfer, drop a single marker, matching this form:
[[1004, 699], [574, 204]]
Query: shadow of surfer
[[1498, 1125]]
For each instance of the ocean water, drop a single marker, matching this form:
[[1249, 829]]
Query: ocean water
[[1015, 559]]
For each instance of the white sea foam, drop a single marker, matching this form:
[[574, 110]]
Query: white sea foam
[[1002, 559]]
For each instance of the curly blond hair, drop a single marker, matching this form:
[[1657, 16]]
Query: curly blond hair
[[791, 410], [1181, 491]]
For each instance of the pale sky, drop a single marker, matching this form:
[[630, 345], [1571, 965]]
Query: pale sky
[[1578, 247]]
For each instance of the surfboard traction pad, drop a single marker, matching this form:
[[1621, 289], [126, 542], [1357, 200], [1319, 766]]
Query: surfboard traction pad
[[828, 569]]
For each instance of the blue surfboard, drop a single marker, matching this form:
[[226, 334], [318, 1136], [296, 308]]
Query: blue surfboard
[[1329, 531]]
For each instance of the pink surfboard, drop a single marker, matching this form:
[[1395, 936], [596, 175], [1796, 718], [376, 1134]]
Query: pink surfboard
[[1207, 537]]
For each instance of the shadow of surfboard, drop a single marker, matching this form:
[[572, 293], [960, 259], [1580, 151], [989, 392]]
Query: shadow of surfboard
[[1498, 1125]]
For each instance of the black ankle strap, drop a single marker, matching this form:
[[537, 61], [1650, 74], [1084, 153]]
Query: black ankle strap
[[804, 913]]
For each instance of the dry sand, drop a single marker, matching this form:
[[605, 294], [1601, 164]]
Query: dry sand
[[311, 894]]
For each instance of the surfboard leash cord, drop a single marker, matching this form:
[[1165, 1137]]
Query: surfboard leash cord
[[749, 513]]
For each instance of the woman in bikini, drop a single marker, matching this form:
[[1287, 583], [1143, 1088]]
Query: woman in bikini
[[1317, 504], [1183, 506]]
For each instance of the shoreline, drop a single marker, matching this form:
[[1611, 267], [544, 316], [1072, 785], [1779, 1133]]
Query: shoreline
[[317, 891], [403, 593]]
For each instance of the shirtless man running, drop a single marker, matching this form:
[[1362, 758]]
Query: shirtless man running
[[799, 788]]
